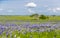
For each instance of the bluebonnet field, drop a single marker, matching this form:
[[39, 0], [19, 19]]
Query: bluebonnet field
[[16, 20], [28, 30]]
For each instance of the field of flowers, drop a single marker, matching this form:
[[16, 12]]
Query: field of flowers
[[27, 30]]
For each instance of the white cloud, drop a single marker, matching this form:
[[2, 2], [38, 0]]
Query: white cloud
[[49, 9], [58, 9], [30, 11], [54, 9], [31, 4]]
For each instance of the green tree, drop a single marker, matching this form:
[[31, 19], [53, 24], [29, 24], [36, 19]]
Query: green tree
[[35, 16], [42, 17]]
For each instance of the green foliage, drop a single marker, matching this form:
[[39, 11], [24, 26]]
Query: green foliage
[[45, 34], [43, 17], [53, 15], [34, 15]]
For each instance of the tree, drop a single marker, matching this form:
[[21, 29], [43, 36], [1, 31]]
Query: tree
[[42, 17], [35, 16], [53, 15]]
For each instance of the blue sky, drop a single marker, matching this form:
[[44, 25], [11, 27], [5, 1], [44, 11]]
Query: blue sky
[[19, 7]]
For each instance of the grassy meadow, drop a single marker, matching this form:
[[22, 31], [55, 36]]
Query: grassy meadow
[[15, 33], [28, 19]]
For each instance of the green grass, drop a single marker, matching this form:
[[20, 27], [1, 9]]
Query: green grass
[[24, 19], [34, 34]]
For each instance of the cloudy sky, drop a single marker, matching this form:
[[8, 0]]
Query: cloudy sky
[[27, 7]]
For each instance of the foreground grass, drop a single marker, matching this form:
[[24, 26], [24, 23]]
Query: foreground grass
[[16, 34]]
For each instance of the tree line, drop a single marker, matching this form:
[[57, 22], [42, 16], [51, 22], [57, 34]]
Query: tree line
[[37, 16]]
